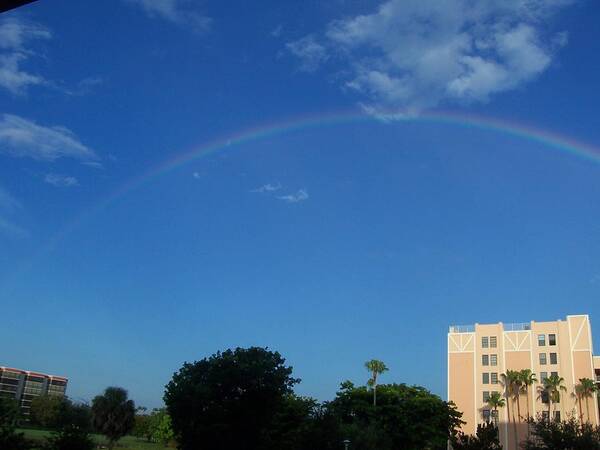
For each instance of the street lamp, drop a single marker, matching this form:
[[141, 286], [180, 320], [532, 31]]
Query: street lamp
[[346, 444]]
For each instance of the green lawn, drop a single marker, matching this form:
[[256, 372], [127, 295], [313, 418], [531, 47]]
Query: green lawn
[[128, 442]]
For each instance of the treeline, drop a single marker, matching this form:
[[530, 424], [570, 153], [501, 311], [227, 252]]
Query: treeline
[[111, 414]]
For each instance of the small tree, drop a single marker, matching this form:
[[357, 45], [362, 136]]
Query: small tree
[[585, 389], [496, 401], [376, 368], [46, 410], [113, 414], [485, 439], [163, 430]]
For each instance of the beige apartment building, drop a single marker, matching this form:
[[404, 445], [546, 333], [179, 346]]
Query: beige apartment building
[[479, 354]]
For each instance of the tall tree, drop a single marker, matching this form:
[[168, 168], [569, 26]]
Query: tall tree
[[376, 368], [585, 389], [228, 400], [510, 381], [528, 379], [113, 414]]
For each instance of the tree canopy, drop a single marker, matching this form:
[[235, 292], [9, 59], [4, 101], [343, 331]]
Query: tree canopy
[[228, 400], [113, 414]]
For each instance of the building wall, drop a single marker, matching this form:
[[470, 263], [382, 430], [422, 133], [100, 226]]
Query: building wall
[[24, 386], [517, 347]]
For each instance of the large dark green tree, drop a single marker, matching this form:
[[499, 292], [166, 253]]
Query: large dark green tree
[[230, 400], [406, 418], [113, 414]]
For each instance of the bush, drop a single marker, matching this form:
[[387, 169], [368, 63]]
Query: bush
[[565, 435], [70, 438]]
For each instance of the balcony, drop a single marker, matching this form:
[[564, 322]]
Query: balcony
[[462, 329], [517, 326]]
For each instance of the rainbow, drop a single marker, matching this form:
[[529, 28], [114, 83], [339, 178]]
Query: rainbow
[[551, 140]]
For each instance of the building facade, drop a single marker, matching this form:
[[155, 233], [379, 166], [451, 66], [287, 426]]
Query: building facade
[[478, 355], [24, 386]]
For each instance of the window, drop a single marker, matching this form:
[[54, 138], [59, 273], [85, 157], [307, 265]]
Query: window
[[493, 360], [545, 415], [495, 417], [544, 397], [486, 415], [541, 340], [493, 342], [557, 416], [554, 374], [486, 378], [486, 396], [542, 359], [494, 378], [485, 343], [551, 339], [553, 358], [543, 376], [485, 360]]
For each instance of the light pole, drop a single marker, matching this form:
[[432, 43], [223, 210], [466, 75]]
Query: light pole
[[346, 444]]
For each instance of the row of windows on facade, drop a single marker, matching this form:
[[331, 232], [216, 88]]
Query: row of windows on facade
[[492, 360], [492, 341], [492, 415], [492, 377]]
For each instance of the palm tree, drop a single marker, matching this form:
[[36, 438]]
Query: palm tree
[[376, 368], [496, 401], [585, 389], [552, 386], [509, 380], [527, 379], [113, 414]]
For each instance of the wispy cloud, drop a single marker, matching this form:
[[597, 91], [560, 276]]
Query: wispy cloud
[[175, 11], [310, 52], [61, 180], [267, 188], [24, 138], [409, 56], [299, 196], [8, 206], [15, 35]]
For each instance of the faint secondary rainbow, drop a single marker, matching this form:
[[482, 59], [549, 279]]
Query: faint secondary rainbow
[[552, 140]]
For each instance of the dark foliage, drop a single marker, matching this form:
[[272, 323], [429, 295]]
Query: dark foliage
[[9, 416], [231, 399], [405, 418], [565, 435], [70, 438], [486, 439], [113, 414]]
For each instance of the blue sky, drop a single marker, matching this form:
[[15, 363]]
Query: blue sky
[[334, 243]]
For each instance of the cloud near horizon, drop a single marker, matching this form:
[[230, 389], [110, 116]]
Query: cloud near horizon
[[411, 55], [20, 137]]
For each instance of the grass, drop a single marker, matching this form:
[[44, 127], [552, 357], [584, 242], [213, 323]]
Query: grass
[[128, 442]]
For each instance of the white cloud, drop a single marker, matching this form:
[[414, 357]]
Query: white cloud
[[411, 55], [175, 11], [299, 196], [14, 35], [61, 180], [276, 32], [8, 205], [310, 52], [23, 138], [267, 188], [7, 202]]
